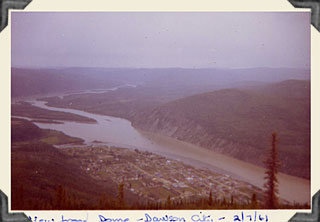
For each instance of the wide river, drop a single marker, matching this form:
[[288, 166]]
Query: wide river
[[119, 132]]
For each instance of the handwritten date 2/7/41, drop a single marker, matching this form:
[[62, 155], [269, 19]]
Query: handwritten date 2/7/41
[[199, 217]]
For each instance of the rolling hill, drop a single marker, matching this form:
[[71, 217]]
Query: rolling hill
[[27, 82], [35, 81], [239, 122], [45, 178]]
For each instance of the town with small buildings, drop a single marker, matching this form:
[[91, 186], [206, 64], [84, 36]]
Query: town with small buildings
[[154, 177]]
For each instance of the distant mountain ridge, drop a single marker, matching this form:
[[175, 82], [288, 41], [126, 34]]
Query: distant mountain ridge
[[26, 82], [239, 122]]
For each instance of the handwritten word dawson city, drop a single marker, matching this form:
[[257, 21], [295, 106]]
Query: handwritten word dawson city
[[201, 217]]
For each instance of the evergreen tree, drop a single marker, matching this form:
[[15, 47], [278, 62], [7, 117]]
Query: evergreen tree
[[224, 201], [210, 200], [168, 203], [60, 198], [271, 185], [231, 201], [121, 195], [254, 202]]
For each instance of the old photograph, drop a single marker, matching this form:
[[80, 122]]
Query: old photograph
[[160, 110]]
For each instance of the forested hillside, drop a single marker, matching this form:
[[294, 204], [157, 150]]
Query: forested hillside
[[239, 122], [33, 81], [43, 177]]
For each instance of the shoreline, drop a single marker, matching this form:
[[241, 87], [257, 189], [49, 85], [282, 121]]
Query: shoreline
[[291, 188]]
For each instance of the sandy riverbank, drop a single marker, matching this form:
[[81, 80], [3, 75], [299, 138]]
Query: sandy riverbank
[[293, 189]]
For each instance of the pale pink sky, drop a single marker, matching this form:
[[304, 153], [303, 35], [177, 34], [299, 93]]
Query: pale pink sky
[[171, 39]]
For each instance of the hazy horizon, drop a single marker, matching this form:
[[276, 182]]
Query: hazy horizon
[[123, 67], [201, 40]]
